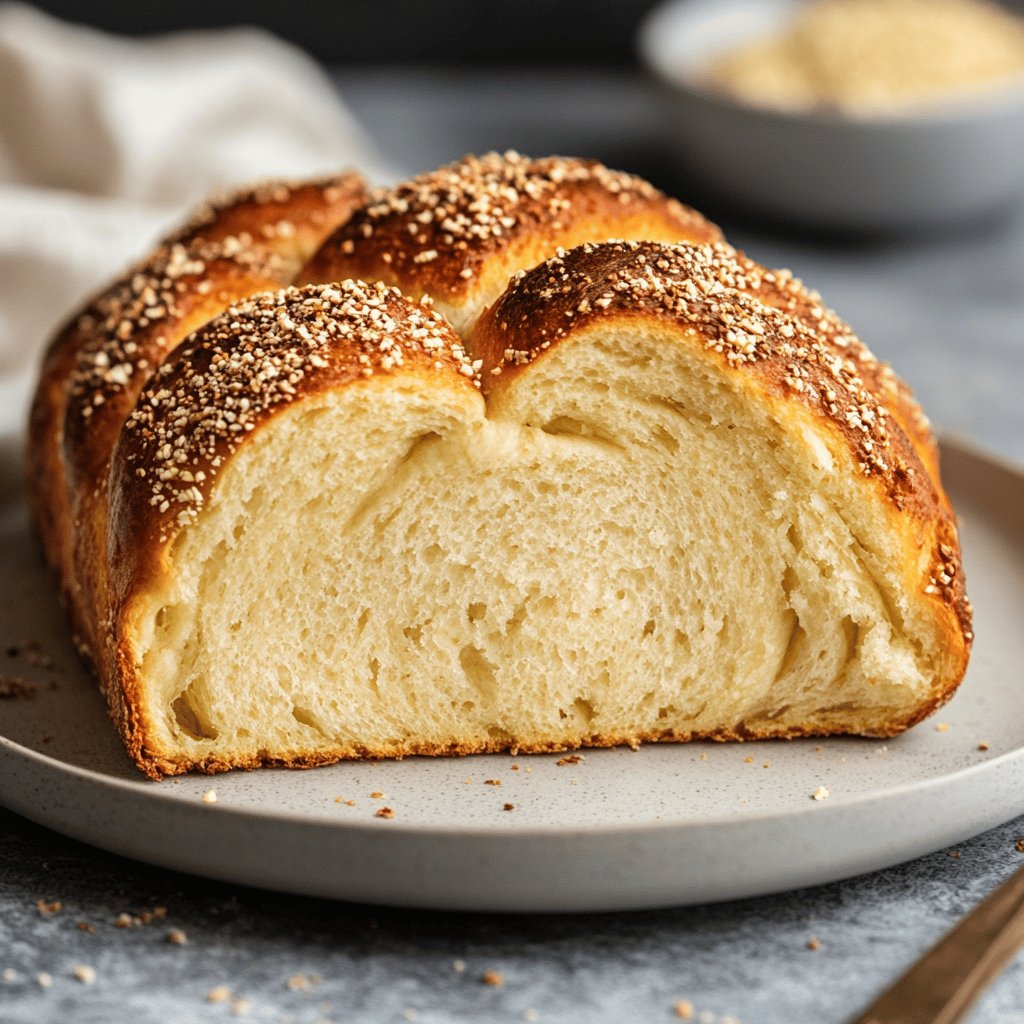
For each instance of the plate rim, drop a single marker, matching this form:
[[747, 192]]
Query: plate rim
[[152, 790]]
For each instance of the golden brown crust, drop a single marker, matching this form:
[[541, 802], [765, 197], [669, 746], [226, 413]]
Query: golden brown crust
[[47, 489], [779, 288], [288, 218], [158, 766], [462, 230], [135, 327], [132, 328], [218, 389], [756, 319]]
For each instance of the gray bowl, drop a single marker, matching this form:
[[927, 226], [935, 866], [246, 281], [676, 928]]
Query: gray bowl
[[890, 173]]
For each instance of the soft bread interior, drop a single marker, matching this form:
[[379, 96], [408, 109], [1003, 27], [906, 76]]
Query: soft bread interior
[[621, 547]]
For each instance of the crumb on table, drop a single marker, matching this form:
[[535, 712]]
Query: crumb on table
[[14, 687]]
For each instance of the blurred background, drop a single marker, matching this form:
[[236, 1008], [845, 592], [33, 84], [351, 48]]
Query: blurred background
[[361, 32], [433, 81]]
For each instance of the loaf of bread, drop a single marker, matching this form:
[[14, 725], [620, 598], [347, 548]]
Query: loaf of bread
[[527, 458]]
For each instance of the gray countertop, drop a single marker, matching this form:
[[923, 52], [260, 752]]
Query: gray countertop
[[946, 311], [747, 960]]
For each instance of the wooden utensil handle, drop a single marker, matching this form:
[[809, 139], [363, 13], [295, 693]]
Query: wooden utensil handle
[[942, 986]]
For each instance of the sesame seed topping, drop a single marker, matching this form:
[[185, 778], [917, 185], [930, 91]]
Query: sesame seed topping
[[132, 325], [259, 354], [328, 191], [459, 213]]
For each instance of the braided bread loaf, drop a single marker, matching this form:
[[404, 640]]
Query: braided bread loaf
[[482, 479]]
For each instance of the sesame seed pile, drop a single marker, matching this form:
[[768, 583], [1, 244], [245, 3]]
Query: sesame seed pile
[[745, 312], [868, 57], [462, 211], [115, 351], [199, 406]]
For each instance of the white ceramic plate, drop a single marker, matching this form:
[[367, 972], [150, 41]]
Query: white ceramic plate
[[622, 829]]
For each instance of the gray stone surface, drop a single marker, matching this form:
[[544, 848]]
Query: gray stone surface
[[947, 312], [748, 960]]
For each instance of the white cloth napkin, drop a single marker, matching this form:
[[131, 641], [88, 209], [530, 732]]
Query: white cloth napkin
[[105, 142]]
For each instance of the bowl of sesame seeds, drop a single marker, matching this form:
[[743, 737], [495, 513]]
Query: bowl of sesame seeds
[[867, 116]]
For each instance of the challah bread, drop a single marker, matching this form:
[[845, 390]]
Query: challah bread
[[646, 491], [250, 240]]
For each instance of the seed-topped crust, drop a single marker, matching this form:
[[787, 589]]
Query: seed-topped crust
[[779, 288], [250, 362], [748, 314], [246, 240], [760, 322], [132, 327], [290, 217], [459, 232]]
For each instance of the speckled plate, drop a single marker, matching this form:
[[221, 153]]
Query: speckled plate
[[617, 830]]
